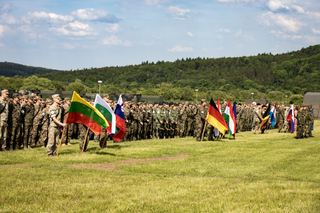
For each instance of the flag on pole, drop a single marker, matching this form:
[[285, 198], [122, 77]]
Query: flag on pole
[[215, 118], [216, 131], [235, 110], [266, 116], [291, 118], [311, 114], [105, 109], [82, 112], [273, 113], [229, 117], [120, 121]]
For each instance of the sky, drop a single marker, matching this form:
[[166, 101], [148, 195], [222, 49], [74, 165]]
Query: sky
[[77, 34]]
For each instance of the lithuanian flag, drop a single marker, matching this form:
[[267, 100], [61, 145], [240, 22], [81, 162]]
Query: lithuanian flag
[[82, 112], [215, 118]]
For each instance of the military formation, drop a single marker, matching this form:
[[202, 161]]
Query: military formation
[[29, 121]]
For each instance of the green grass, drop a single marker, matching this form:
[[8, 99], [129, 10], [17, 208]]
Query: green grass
[[254, 173]]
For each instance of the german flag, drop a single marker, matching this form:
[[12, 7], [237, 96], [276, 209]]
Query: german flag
[[215, 118]]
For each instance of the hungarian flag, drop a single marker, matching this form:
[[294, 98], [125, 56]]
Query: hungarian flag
[[105, 109], [82, 112], [215, 118], [216, 131], [273, 113], [290, 117], [229, 117], [120, 121]]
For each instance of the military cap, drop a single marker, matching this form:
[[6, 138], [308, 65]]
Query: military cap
[[67, 99], [15, 95], [105, 96], [160, 103], [186, 103], [5, 91], [156, 102], [48, 101], [203, 100], [56, 96], [258, 104], [175, 104]]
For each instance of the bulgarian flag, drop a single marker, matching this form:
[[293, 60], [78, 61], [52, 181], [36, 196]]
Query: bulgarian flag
[[82, 112], [120, 121], [215, 118], [104, 108], [229, 117]]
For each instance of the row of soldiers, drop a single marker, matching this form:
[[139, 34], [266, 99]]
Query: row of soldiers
[[25, 121]]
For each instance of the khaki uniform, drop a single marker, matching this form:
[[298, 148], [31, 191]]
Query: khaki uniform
[[54, 129], [4, 109]]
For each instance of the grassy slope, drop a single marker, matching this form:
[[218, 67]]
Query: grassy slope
[[267, 173]]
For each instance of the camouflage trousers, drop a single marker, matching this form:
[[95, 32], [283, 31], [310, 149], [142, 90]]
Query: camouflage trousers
[[53, 140], [67, 134], [3, 135], [15, 135], [300, 131], [27, 134], [104, 137], [44, 135], [200, 128], [82, 136], [35, 133], [280, 125], [182, 128]]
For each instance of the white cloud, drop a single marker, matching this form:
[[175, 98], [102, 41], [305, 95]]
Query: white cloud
[[286, 22], [90, 14], [112, 28], [219, 37], [298, 9], [178, 13], [232, 1], [155, 2], [239, 32], [2, 45], [248, 38], [189, 34], [220, 48], [7, 19], [223, 31], [69, 46], [180, 49], [1, 29], [275, 5], [74, 29], [113, 40], [284, 35], [315, 31], [7, 8], [47, 17]]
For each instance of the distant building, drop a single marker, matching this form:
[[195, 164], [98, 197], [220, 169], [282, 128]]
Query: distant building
[[313, 98], [257, 101]]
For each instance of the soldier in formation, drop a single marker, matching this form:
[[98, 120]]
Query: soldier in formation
[[28, 121]]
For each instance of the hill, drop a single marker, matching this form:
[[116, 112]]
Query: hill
[[9, 69], [297, 71]]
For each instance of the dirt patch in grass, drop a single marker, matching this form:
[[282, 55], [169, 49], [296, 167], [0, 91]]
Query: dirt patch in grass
[[112, 166], [13, 165]]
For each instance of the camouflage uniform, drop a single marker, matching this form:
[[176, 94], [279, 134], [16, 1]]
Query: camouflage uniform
[[182, 126], [4, 110], [280, 117], [82, 135], [300, 124], [15, 115], [53, 130], [200, 121], [69, 128], [44, 126], [128, 123], [257, 119], [28, 111], [36, 122]]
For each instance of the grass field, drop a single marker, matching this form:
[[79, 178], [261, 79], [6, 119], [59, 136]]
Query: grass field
[[254, 173]]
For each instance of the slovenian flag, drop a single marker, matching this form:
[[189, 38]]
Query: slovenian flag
[[291, 118], [120, 121], [273, 113]]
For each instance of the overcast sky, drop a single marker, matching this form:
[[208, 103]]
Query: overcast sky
[[76, 34]]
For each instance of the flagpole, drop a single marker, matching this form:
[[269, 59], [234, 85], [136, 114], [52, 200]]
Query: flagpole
[[60, 141], [104, 141], [85, 140], [205, 125]]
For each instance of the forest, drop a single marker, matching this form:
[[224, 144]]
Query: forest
[[282, 77]]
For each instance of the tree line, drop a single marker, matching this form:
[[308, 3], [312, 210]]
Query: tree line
[[268, 76]]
